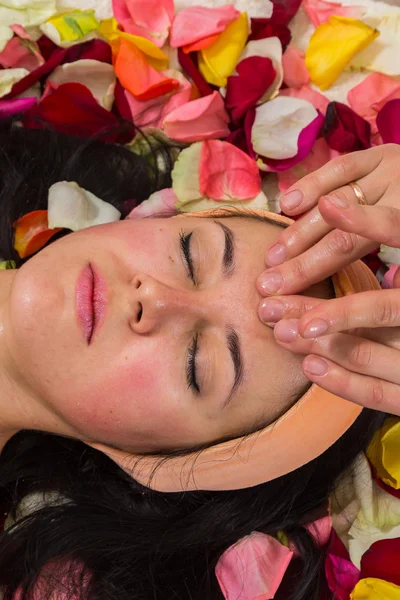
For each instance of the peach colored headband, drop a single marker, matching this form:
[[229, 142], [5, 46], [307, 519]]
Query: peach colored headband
[[309, 428]]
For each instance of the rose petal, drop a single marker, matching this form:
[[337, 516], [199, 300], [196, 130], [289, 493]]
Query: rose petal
[[103, 8], [32, 233], [150, 19], [388, 122], [71, 207], [202, 119], [16, 106], [227, 173], [268, 48], [72, 109], [320, 11], [333, 45], [218, 61], [253, 567], [371, 589], [278, 125], [190, 67], [198, 22], [264, 28], [8, 77], [138, 76], [154, 111], [284, 11], [305, 144], [341, 576], [381, 561], [344, 130], [389, 256], [30, 13], [71, 28], [295, 73], [383, 452], [254, 8], [319, 155], [388, 282], [318, 101], [160, 203], [255, 75], [97, 76], [19, 54], [367, 98]]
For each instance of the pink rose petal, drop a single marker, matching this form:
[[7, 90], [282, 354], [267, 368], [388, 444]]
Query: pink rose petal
[[9, 108], [388, 281], [149, 18], [253, 568], [153, 112], [255, 75], [305, 143], [195, 23], [318, 101], [226, 172], [319, 11], [295, 73], [319, 155], [367, 98], [201, 119], [388, 122], [17, 54], [160, 203]]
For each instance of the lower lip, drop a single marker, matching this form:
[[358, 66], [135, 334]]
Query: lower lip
[[91, 301]]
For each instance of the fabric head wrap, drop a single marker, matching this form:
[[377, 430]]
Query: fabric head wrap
[[309, 428]]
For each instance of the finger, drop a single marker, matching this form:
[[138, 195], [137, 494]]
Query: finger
[[272, 310], [379, 223], [304, 194], [366, 391], [336, 250], [380, 308], [353, 353]]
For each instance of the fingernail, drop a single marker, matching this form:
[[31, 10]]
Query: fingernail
[[315, 366], [338, 202], [315, 328], [292, 199], [276, 255], [271, 311], [286, 331], [271, 282]]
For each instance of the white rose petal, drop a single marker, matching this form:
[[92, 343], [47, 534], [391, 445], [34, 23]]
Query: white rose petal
[[278, 124], [71, 207], [102, 8], [27, 13], [8, 77], [254, 8], [98, 76]]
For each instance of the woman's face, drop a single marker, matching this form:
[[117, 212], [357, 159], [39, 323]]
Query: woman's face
[[181, 358]]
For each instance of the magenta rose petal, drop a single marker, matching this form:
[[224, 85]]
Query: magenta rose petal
[[255, 75], [8, 108], [345, 130], [388, 122]]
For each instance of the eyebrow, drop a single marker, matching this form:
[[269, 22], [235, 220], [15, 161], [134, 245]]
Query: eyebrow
[[232, 338]]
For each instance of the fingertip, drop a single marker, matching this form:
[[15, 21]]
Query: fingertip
[[315, 367], [291, 200]]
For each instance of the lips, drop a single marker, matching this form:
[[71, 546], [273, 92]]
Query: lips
[[91, 301]]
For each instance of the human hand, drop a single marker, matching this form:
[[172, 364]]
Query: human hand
[[352, 344], [329, 237]]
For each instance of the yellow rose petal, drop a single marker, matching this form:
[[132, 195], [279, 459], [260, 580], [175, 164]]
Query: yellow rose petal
[[372, 589], [218, 61], [384, 452], [75, 25], [109, 30], [333, 45]]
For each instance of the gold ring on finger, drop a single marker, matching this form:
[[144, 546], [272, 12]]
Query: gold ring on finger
[[358, 193]]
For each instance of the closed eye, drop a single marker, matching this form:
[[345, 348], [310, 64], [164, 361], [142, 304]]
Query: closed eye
[[187, 255]]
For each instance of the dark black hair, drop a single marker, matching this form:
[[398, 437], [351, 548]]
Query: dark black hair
[[116, 539]]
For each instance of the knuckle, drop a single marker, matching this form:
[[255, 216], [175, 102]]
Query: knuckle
[[342, 243], [385, 313], [299, 271], [375, 394], [390, 150], [360, 356], [342, 165]]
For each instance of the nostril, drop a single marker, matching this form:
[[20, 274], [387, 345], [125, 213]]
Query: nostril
[[137, 282], [140, 313]]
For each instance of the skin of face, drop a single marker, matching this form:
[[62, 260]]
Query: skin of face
[[129, 387]]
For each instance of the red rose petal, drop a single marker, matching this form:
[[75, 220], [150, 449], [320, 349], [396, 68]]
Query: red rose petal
[[190, 67], [388, 122], [255, 75], [263, 28], [345, 130], [382, 561]]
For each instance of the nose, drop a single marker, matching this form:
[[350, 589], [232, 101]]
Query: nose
[[155, 304]]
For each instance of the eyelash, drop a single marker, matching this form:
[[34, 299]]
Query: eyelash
[[191, 365], [184, 242]]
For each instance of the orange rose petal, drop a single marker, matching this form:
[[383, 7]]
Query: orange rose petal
[[200, 44], [32, 233], [138, 76]]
